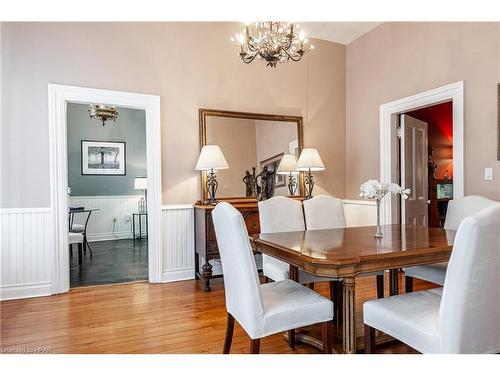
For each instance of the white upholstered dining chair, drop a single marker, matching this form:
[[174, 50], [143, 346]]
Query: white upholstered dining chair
[[458, 210], [463, 316], [266, 309]]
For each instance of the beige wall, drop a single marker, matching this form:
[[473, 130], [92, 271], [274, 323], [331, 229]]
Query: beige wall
[[400, 59], [190, 65]]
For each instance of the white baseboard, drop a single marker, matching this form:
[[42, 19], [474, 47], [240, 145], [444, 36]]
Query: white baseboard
[[25, 290], [95, 237], [178, 275]]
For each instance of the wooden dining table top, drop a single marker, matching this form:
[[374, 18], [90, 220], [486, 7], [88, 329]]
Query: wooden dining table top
[[355, 250]]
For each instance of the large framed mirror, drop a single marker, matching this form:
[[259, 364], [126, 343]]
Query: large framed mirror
[[253, 145]]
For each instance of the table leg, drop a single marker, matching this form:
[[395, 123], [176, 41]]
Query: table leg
[[133, 226], [349, 315], [394, 282]]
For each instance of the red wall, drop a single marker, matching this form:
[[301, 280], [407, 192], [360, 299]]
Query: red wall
[[440, 120]]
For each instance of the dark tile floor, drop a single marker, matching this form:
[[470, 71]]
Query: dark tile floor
[[115, 261]]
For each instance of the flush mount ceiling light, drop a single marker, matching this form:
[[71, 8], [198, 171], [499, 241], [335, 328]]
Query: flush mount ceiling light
[[274, 42], [103, 113]]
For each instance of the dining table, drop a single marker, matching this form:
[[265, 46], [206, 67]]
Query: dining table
[[346, 253]]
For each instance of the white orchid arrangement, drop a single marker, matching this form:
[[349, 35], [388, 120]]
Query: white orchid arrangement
[[372, 189]]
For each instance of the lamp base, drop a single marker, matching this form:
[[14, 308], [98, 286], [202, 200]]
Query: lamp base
[[309, 185], [210, 201]]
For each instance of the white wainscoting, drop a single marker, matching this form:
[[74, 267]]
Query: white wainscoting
[[100, 227], [26, 252], [177, 228]]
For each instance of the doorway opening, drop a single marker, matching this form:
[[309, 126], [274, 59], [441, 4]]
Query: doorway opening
[[426, 163], [107, 184], [59, 98], [390, 115]]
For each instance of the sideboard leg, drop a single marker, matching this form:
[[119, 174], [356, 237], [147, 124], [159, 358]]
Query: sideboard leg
[[206, 272]]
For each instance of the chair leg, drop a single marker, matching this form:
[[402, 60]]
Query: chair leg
[[80, 245], [369, 340], [71, 250], [408, 284], [255, 346], [87, 244], [336, 292], [291, 339], [229, 334], [310, 286], [380, 286], [327, 337]]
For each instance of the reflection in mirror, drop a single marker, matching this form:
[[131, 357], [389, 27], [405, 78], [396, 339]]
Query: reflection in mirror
[[253, 149]]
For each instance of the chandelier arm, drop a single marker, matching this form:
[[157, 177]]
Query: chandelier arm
[[291, 57], [248, 60]]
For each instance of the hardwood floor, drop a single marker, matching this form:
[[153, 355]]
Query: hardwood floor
[[116, 261], [146, 318]]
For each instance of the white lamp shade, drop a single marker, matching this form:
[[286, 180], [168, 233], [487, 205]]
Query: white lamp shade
[[309, 160], [140, 183], [288, 164], [211, 157]]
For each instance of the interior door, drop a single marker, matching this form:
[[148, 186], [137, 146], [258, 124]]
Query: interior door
[[414, 171]]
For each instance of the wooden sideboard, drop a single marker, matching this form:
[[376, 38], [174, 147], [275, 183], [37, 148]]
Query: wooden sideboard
[[205, 240]]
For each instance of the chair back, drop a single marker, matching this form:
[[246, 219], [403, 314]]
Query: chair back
[[281, 214], [324, 212], [459, 209], [241, 280], [470, 306]]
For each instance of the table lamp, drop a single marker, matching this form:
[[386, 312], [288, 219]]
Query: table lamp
[[287, 165], [141, 183], [211, 159], [309, 161]]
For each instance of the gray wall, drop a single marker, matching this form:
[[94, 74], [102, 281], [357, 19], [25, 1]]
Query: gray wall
[[130, 127]]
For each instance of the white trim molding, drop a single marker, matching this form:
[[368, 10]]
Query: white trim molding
[[388, 138], [18, 291], [59, 96]]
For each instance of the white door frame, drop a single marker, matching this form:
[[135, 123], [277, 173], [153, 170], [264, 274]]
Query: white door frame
[[59, 96], [388, 139]]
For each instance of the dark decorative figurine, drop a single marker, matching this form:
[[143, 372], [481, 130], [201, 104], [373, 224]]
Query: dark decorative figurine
[[250, 182]]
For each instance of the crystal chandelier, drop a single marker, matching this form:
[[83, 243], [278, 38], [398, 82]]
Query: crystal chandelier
[[103, 113], [275, 42]]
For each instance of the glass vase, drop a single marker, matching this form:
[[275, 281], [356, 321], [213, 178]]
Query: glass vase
[[379, 233]]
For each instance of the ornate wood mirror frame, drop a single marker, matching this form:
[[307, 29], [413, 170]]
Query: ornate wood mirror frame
[[204, 113]]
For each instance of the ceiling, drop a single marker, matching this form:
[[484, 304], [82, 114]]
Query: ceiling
[[340, 32]]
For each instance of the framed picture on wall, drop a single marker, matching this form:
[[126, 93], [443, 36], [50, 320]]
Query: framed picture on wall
[[103, 158]]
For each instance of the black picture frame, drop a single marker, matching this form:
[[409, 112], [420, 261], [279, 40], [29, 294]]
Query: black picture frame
[[86, 171]]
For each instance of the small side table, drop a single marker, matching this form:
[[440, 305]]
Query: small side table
[[141, 234]]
